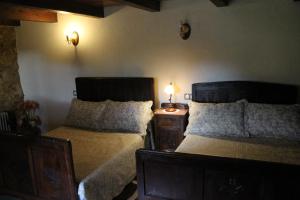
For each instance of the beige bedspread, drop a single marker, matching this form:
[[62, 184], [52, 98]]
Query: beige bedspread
[[104, 163], [280, 152]]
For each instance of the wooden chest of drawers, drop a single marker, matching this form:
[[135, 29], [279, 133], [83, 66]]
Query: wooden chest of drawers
[[169, 128]]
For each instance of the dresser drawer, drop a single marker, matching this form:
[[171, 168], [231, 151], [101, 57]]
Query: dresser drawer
[[168, 123]]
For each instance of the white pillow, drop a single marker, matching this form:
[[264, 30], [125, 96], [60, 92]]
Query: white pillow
[[85, 114], [221, 119], [131, 116], [273, 121]]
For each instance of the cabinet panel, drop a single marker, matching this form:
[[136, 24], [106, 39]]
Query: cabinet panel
[[168, 139], [169, 128], [231, 186], [169, 123]]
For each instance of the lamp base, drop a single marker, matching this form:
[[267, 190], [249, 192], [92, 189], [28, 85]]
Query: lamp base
[[170, 109]]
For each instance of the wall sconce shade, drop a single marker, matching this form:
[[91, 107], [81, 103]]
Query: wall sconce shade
[[170, 89], [73, 38]]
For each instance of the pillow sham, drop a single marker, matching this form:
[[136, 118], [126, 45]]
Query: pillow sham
[[273, 121], [131, 116], [85, 114], [217, 120]]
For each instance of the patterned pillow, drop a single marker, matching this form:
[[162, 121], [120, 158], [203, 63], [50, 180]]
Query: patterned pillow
[[221, 120], [85, 114], [131, 116], [276, 121]]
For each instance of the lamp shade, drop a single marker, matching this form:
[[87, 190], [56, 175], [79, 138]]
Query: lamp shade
[[170, 89]]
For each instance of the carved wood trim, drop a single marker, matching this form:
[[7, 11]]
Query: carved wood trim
[[16, 13], [149, 5]]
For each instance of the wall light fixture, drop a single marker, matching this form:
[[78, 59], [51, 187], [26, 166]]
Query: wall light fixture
[[73, 38]]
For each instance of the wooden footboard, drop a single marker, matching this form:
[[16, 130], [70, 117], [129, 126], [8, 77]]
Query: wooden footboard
[[37, 168], [163, 176]]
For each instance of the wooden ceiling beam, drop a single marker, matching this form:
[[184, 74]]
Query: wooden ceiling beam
[[5, 22], [62, 5], [16, 13], [149, 5], [220, 3]]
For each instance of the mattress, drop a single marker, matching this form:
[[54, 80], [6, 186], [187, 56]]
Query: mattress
[[104, 163], [270, 150]]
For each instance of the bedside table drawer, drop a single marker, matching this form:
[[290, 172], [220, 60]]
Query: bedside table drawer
[[168, 123]]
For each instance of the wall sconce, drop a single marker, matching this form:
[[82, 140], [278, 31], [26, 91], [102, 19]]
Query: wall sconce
[[170, 91], [185, 31], [73, 38]]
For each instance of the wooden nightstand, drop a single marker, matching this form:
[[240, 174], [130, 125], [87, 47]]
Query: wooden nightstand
[[169, 128]]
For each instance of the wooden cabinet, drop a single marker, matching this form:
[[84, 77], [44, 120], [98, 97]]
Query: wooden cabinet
[[169, 128]]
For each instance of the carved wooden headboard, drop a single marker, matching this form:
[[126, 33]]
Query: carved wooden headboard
[[255, 92], [117, 89]]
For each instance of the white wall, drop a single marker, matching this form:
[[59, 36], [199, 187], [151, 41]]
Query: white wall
[[249, 40]]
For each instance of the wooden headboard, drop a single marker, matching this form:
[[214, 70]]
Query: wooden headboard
[[255, 92], [117, 89]]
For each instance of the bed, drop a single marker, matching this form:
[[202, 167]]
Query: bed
[[84, 164], [206, 168]]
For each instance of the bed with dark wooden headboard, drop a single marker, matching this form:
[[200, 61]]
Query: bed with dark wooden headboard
[[254, 92], [42, 167], [186, 176], [116, 89]]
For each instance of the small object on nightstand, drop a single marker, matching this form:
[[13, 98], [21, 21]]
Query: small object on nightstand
[[29, 121], [169, 128], [170, 91]]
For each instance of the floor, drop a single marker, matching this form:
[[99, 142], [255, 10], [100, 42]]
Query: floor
[[133, 197], [129, 193], [7, 198]]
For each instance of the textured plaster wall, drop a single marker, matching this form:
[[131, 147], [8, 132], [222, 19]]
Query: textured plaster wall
[[255, 40], [10, 88]]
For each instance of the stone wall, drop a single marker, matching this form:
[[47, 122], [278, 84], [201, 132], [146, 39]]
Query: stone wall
[[11, 93]]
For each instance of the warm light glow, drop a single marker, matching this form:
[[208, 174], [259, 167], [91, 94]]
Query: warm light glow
[[170, 89], [71, 28], [63, 12], [72, 34]]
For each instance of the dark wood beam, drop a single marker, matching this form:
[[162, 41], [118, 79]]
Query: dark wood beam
[[149, 5], [62, 5], [13, 12], [5, 22], [220, 3]]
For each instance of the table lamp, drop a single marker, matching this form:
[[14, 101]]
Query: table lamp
[[170, 91]]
